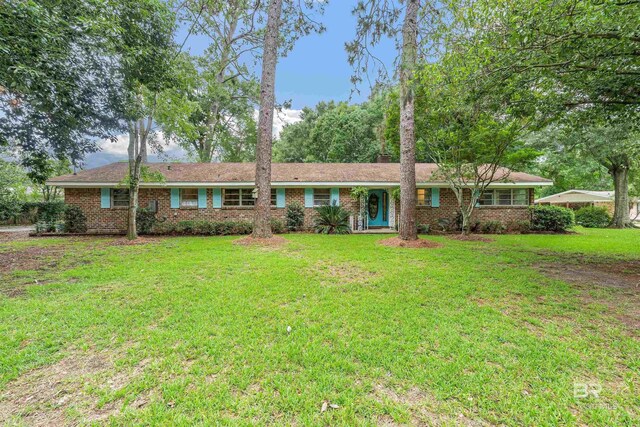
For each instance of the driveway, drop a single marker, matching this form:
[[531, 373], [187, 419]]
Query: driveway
[[16, 228]]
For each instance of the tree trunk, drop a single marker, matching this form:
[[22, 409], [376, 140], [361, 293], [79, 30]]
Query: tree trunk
[[621, 219], [262, 220], [407, 223], [132, 151]]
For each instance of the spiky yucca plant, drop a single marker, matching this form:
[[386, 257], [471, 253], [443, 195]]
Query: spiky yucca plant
[[331, 219]]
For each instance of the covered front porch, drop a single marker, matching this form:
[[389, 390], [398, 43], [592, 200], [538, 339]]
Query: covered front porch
[[377, 212]]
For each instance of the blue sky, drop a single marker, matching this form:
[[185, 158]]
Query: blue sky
[[317, 69]]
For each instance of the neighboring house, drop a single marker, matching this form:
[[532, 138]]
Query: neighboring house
[[576, 199], [224, 191]]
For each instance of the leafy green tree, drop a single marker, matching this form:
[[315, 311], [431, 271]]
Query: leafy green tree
[[40, 168], [57, 76], [333, 133], [570, 167], [615, 148], [469, 137], [148, 62], [574, 62]]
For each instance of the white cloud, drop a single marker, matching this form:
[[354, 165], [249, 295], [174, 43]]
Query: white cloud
[[117, 151], [285, 117]]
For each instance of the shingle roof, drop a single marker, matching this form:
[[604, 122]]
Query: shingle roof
[[220, 173], [578, 196]]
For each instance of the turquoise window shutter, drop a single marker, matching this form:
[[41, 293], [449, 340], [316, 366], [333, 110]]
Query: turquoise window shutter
[[335, 196], [217, 198], [308, 197], [280, 198], [105, 198], [435, 197], [202, 198], [175, 198], [477, 194]]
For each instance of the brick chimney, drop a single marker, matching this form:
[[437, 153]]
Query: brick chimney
[[384, 158]]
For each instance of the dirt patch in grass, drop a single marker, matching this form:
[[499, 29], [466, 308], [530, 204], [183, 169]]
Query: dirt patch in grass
[[141, 240], [615, 274], [470, 238], [622, 277], [43, 396], [14, 236], [396, 242], [273, 242], [341, 273], [31, 258], [422, 407]]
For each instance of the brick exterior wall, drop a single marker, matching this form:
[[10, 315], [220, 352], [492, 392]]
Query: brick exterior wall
[[449, 208], [107, 220]]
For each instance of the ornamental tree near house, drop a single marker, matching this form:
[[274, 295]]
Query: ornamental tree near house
[[147, 63], [470, 141], [574, 62]]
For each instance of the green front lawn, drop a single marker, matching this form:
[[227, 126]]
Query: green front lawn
[[194, 330]]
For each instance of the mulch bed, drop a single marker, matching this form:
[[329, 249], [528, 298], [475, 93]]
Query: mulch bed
[[470, 238], [396, 242], [273, 242]]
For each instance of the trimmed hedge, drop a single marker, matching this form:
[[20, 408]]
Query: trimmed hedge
[[74, 220], [214, 228], [551, 218], [593, 217]]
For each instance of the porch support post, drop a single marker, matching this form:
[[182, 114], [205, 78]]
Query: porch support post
[[392, 213]]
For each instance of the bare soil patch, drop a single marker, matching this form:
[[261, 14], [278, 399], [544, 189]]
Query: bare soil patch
[[623, 277], [615, 274], [31, 258], [470, 238], [273, 242], [43, 396], [141, 240], [423, 409], [340, 273], [14, 236], [396, 242]]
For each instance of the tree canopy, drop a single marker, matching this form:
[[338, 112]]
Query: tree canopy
[[334, 133]]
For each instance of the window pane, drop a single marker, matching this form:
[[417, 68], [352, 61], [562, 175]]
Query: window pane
[[423, 197], [273, 197], [189, 197], [321, 196], [521, 197], [486, 199], [120, 197], [246, 198], [503, 197], [231, 197]]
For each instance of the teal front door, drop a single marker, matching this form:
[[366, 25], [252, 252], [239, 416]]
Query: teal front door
[[378, 208]]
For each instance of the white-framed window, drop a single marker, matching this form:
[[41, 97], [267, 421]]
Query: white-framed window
[[120, 197], [505, 197], [423, 197], [321, 197], [188, 198], [242, 197]]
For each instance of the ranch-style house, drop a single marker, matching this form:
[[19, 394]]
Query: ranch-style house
[[224, 191]]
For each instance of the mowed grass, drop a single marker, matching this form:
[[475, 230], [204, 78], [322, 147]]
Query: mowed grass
[[194, 331]]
